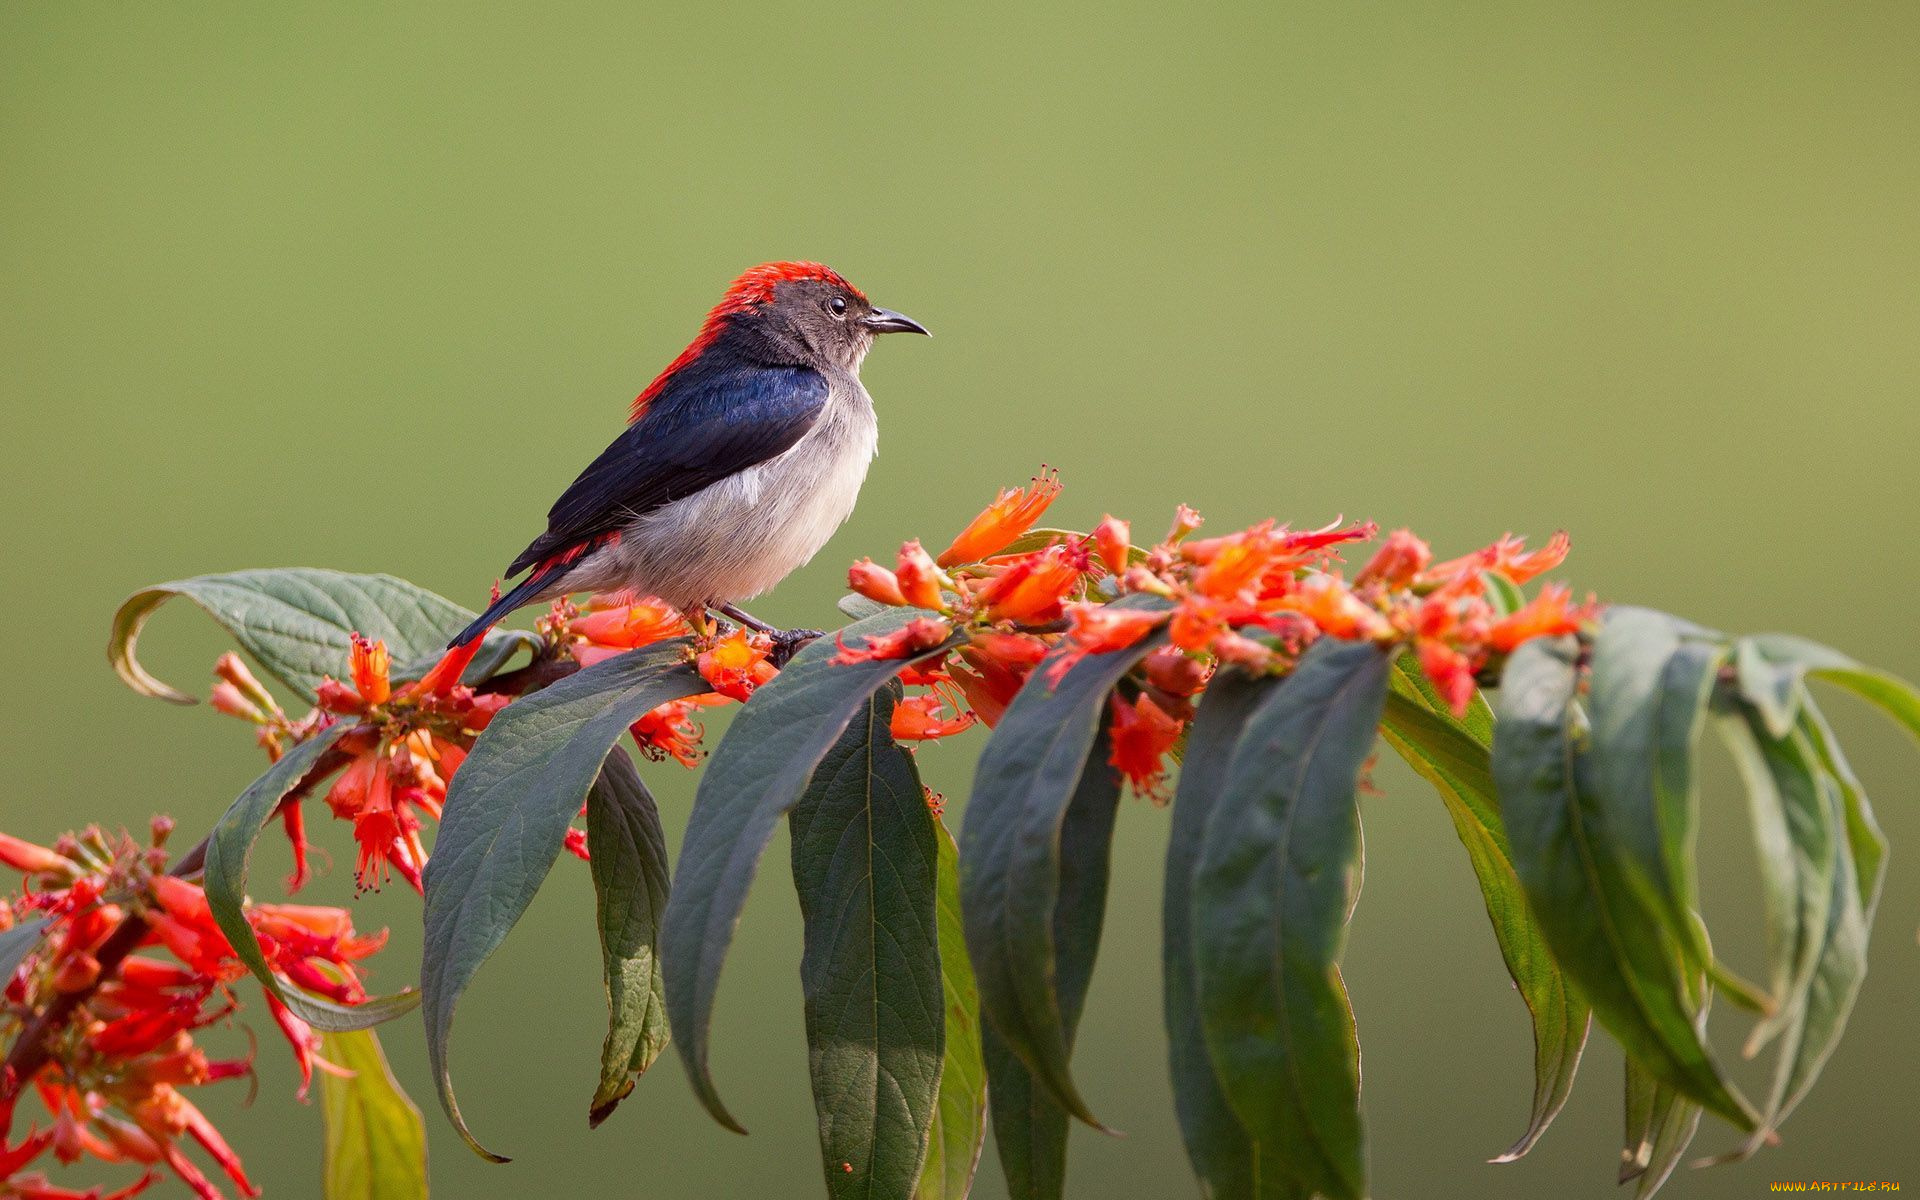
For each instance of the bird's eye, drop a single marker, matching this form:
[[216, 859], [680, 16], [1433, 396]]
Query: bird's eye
[[837, 305]]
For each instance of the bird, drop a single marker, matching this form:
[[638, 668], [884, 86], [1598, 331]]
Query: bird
[[737, 464]]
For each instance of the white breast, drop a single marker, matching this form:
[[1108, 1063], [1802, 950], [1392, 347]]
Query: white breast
[[735, 539]]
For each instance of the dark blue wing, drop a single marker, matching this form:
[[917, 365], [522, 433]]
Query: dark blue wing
[[713, 419]]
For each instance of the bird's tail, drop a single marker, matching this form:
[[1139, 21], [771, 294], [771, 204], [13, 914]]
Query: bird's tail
[[525, 592]]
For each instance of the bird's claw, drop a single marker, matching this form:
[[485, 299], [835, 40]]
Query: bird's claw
[[787, 642]]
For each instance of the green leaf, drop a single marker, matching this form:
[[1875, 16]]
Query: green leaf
[[1660, 1125], [1226, 1160], [295, 622], [629, 867], [506, 819], [960, 1117], [1652, 677], [1011, 853], [1567, 849], [1029, 1123], [1455, 758], [864, 864], [1813, 886], [1279, 872], [18, 942], [229, 850], [376, 1147], [754, 777], [1795, 657]]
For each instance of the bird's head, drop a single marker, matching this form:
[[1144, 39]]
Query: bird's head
[[799, 313], [812, 310]]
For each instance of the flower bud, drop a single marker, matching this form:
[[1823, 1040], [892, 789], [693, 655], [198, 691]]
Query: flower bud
[[1175, 673], [876, 583], [1114, 538], [229, 668], [228, 699], [919, 578], [31, 859]]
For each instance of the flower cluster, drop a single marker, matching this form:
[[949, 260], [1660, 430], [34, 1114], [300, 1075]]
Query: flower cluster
[[118, 1013], [1254, 599]]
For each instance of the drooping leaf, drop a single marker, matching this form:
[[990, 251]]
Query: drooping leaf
[[376, 1143], [1651, 679], [1011, 854], [630, 882], [864, 864], [1660, 1125], [229, 850], [18, 942], [1794, 658], [1567, 852], [1796, 833], [1820, 959], [506, 819], [1029, 1122], [960, 1117], [1278, 875], [754, 777], [1224, 1157], [1864, 838], [1455, 757], [295, 622]]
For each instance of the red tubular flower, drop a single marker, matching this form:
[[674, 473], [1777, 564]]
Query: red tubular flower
[[1176, 673], [910, 640], [1011, 514], [917, 718], [1451, 673], [1141, 734], [876, 583], [737, 664], [1397, 563], [918, 577], [670, 732], [445, 675], [1549, 614], [31, 859]]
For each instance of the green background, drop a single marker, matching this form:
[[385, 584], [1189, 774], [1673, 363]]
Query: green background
[[363, 285]]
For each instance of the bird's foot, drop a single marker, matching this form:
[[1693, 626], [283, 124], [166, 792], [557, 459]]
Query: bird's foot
[[787, 642]]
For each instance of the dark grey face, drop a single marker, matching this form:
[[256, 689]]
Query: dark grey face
[[831, 325]]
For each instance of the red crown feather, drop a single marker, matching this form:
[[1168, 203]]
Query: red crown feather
[[748, 292]]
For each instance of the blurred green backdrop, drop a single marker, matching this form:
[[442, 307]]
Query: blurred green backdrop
[[362, 285]]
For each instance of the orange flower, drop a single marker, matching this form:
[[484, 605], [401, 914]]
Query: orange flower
[[1325, 600], [876, 583], [1141, 735], [1506, 557], [917, 718], [445, 675], [1011, 514], [1196, 622], [1114, 538], [1185, 521], [1397, 563], [624, 627], [737, 664], [918, 577], [910, 640], [1031, 589], [1099, 628], [1549, 614], [369, 663]]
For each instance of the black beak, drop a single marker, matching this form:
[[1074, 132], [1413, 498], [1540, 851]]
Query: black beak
[[885, 320]]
